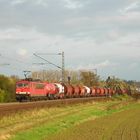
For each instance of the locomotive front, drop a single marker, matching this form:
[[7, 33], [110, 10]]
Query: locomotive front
[[22, 90]]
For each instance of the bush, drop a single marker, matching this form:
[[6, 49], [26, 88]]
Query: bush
[[7, 89], [2, 95]]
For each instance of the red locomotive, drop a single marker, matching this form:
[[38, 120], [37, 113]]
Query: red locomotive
[[27, 89]]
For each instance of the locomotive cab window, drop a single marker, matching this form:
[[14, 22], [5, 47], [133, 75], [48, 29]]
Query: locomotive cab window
[[19, 85]]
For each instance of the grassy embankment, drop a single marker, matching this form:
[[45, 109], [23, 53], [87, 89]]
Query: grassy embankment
[[53, 123]]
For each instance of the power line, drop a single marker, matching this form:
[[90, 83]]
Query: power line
[[39, 63], [48, 53]]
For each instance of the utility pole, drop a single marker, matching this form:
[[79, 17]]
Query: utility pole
[[63, 68]]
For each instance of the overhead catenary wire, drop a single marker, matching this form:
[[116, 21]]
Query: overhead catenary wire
[[47, 61], [62, 67]]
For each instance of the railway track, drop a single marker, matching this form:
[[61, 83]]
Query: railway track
[[8, 108]]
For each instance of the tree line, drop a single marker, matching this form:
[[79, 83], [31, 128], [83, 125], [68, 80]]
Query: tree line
[[88, 78]]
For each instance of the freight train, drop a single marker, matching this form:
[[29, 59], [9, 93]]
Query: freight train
[[29, 89]]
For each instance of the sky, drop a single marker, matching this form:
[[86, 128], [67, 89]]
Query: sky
[[93, 34]]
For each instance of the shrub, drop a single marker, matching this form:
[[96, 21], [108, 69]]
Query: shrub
[[7, 89]]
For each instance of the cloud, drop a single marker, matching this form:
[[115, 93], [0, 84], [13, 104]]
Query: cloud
[[134, 65], [22, 52], [34, 2], [131, 7], [106, 63], [42, 3], [73, 4], [100, 65], [17, 2], [19, 34], [115, 43]]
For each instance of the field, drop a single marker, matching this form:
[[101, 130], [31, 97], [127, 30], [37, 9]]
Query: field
[[124, 125], [116, 120]]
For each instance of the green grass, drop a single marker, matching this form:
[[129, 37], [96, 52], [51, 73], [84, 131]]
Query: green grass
[[40, 124], [59, 124]]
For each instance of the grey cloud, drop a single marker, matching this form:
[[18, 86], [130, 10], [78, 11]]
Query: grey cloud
[[56, 19]]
